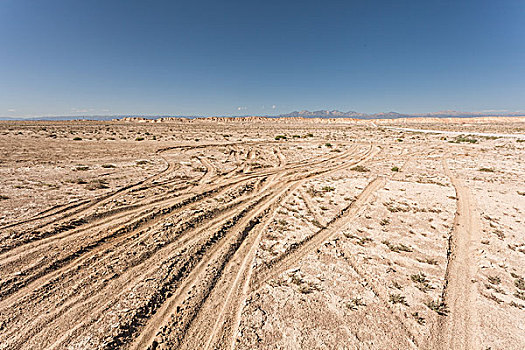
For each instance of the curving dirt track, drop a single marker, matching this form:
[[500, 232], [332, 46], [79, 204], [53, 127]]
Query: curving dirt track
[[337, 236], [459, 328], [150, 274]]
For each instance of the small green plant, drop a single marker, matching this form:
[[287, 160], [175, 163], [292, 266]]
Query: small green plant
[[519, 283], [438, 306], [328, 189], [486, 170], [360, 168], [139, 139], [420, 319], [429, 261], [423, 283], [280, 137], [494, 279], [396, 285], [395, 169], [397, 247], [355, 303], [328, 144], [398, 299]]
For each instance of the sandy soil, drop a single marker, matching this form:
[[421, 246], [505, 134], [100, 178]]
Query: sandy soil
[[261, 235]]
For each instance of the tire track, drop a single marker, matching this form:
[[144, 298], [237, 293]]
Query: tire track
[[73, 283], [304, 248], [234, 283], [458, 330]]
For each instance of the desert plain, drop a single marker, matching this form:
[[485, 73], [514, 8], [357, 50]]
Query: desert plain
[[262, 234]]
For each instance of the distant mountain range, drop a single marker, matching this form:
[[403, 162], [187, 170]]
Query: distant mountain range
[[302, 114], [395, 115]]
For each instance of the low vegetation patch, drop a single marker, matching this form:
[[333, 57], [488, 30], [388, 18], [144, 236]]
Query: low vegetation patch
[[438, 306], [422, 283], [97, 185], [397, 247], [398, 299], [462, 138], [360, 168]]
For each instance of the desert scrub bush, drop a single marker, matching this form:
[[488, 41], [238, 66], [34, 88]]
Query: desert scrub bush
[[396, 285], [280, 137], [317, 224], [97, 185], [328, 189], [309, 135], [423, 284], [141, 162], [108, 166], [312, 192], [519, 295], [364, 240], [437, 306], [394, 209], [419, 319], [494, 280], [355, 303], [360, 168], [328, 144], [398, 299], [397, 247], [384, 222], [514, 304], [429, 261], [139, 139], [308, 287], [462, 138], [3, 197], [486, 170], [296, 136], [519, 283], [77, 138], [82, 168], [395, 169]]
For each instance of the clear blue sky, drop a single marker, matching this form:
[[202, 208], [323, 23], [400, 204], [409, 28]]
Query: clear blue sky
[[71, 57]]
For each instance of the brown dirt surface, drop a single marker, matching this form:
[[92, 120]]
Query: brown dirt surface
[[262, 234]]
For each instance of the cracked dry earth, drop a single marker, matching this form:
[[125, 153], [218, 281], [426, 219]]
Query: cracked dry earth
[[212, 235]]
